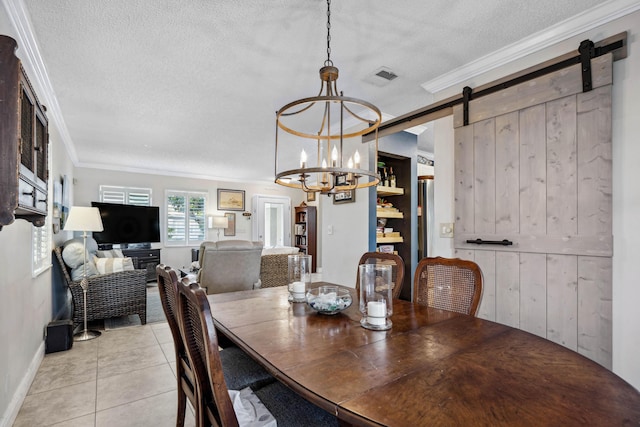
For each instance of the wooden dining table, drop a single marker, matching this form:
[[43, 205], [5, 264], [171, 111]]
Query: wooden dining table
[[433, 367]]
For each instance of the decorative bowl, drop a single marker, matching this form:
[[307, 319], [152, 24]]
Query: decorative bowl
[[329, 299]]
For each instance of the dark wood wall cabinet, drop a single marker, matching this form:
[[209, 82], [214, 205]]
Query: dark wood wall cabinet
[[24, 143], [145, 259], [305, 232]]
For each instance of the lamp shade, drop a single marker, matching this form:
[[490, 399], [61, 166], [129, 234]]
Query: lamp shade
[[83, 218], [219, 222]]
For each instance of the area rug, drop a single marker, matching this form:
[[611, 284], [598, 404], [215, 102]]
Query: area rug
[[154, 312]]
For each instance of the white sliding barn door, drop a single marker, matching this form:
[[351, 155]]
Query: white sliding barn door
[[534, 167]]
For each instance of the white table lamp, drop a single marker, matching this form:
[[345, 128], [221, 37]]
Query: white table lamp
[[84, 219], [219, 223]]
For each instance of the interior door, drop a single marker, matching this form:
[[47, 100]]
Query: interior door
[[533, 167], [272, 220]]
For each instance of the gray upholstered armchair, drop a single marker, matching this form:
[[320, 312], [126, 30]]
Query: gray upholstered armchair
[[229, 265]]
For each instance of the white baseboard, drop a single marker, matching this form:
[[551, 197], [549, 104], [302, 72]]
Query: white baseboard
[[10, 415]]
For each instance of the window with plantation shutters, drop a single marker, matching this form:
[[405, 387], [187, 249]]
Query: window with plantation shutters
[[125, 195], [185, 218], [41, 247]]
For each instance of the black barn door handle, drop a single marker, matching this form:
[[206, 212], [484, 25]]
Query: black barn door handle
[[503, 242]]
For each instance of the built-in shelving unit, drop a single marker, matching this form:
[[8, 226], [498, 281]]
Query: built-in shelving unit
[[305, 232], [395, 211], [389, 213]]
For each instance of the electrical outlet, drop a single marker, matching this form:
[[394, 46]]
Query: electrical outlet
[[330, 229], [446, 229]]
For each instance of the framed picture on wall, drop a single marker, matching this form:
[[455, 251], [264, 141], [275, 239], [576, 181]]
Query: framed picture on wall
[[230, 200], [231, 229], [344, 197], [311, 197]]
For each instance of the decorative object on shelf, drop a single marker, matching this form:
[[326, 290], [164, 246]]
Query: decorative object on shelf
[[230, 229], [299, 277], [230, 200], [376, 296], [329, 299], [84, 219], [218, 223], [326, 154]]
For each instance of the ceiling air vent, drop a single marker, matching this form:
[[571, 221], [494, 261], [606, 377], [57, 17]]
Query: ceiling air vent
[[381, 77], [386, 74]]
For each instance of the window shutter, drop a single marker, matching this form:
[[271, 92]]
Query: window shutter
[[186, 218], [197, 219], [176, 218], [41, 249], [125, 195]]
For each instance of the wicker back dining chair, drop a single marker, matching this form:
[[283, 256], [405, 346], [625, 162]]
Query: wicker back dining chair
[[202, 349], [168, 290], [213, 405], [397, 269], [449, 284], [238, 368]]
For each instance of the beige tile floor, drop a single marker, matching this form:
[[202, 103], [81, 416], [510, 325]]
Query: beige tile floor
[[125, 377]]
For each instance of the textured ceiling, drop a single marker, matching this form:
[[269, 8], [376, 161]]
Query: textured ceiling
[[193, 87]]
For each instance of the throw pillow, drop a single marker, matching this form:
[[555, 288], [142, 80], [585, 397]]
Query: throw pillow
[[113, 265], [77, 273], [112, 253], [73, 253]]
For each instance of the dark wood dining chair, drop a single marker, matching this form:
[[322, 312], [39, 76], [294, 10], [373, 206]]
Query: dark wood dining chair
[[213, 405], [449, 284], [168, 291], [397, 269], [239, 369]]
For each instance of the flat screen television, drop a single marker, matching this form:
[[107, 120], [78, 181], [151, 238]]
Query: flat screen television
[[127, 224]]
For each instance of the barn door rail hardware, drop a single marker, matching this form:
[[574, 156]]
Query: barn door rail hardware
[[616, 44], [503, 242]]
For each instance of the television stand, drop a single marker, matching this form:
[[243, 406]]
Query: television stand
[[135, 246], [145, 259]]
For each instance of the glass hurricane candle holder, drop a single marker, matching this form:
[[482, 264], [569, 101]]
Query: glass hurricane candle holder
[[299, 277], [376, 296]]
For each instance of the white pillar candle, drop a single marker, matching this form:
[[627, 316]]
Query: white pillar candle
[[376, 312], [298, 289]]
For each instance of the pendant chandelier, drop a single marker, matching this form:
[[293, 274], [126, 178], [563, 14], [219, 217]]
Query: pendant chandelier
[[321, 148]]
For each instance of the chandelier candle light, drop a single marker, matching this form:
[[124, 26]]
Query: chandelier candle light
[[330, 158]]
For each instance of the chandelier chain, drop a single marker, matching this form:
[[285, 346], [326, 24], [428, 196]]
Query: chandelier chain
[[328, 61]]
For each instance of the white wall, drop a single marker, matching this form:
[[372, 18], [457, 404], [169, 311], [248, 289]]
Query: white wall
[[626, 197], [26, 301], [88, 181], [344, 231]]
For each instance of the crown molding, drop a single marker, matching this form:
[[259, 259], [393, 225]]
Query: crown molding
[[32, 61], [573, 26]]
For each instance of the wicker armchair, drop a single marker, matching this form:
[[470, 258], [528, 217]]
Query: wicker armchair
[[449, 284], [109, 295], [274, 270]]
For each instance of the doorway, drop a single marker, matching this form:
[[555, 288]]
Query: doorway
[[272, 224]]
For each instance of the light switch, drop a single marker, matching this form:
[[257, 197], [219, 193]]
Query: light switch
[[446, 229], [330, 229]]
